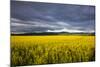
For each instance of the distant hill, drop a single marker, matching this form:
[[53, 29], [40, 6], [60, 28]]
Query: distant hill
[[54, 33]]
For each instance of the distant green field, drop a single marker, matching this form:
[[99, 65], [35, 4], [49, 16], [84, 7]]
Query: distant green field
[[33, 50]]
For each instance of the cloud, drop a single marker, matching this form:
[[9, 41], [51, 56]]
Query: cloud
[[31, 26], [41, 17]]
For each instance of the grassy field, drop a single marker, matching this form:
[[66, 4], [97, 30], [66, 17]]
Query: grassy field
[[33, 50]]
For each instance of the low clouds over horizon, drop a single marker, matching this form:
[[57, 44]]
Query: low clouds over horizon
[[43, 17]]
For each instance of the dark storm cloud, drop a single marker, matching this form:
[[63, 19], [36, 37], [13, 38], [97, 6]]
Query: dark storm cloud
[[35, 16]]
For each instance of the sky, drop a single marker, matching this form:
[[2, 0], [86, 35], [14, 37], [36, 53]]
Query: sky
[[29, 17]]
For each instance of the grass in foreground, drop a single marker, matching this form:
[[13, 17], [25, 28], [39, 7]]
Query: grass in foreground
[[33, 50]]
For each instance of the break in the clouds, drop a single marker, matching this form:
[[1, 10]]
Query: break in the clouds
[[46, 17]]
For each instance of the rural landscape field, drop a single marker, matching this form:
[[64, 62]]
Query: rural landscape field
[[51, 33], [33, 50]]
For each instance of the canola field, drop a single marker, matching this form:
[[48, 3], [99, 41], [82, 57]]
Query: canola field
[[34, 50]]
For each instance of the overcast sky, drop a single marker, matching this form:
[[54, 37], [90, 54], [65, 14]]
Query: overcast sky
[[31, 17]]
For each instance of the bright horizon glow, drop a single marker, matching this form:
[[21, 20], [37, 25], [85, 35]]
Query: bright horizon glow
[[70, 31]]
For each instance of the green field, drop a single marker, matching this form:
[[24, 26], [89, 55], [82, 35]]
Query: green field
[[33, 50]]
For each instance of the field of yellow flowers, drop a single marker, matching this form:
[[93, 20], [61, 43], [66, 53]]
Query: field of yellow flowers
[[33, 50]]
